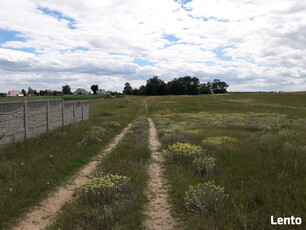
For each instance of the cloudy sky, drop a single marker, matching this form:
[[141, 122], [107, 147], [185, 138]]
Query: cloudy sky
[[250, 44]]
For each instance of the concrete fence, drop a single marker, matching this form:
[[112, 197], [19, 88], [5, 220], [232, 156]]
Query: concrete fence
[[20, 120]]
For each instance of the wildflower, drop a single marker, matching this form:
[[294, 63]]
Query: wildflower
[[215, 141], [182, 152], [204, 165], [205, 197]]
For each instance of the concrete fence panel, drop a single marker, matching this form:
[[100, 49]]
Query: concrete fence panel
[[12, 122], [69, 112], [55, 114], [28, 118], [86, 110], [37, 119], [78, 111]]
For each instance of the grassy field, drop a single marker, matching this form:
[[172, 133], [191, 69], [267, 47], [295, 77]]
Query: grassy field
[[251, 146], [31, 169], [67, 97], [258, 142], [125, 212]]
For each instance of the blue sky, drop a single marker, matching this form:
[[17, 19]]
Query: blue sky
[[252, 45]]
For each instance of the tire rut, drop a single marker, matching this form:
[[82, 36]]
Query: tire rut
[[158, 209]]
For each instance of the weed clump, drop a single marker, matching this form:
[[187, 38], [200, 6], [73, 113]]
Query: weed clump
[[216, 141], [103, 188], [111, 124], [205, 198], [95, 136], [183, 152], [204, 165]]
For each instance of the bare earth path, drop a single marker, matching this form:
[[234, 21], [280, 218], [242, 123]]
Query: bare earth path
[[43, 215], [158, 209]]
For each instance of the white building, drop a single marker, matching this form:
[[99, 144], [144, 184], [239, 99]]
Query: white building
[[80, 91]]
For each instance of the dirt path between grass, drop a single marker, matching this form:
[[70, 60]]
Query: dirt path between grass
[[43, 215], [158, 209]]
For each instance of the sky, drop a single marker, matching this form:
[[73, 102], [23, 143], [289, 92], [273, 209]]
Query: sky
[[253, 45]]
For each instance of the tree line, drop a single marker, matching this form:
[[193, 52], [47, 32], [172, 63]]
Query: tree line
[[178, 86]]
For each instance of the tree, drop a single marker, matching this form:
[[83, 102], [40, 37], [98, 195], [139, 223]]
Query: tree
[[219, 86], [184, 85], [156, 86], [24, 92], [193, 86], [142, 90], [205, 88], [30, 92], [66, 90], [128, 90], [94, 88]]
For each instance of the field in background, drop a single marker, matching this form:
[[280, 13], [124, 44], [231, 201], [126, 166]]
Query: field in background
[[31, 169], [259, 142]]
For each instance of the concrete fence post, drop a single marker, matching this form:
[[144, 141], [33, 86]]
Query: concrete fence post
[[26, 131], [63, 112], [48, 116], [82, 110], [74, 115], [89, 110]]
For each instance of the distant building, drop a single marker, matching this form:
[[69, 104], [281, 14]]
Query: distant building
[[80, 91], [103, 92], [14, 93]]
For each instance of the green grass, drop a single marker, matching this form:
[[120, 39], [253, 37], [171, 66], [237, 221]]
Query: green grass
[[66, 97], [31, 169], [263, 174], [129, 159]]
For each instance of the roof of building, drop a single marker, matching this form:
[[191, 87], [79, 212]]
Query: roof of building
[[13, 92], [81, 90]]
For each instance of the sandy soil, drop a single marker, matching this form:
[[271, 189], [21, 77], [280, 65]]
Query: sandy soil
[[158, 209], [43, 215]]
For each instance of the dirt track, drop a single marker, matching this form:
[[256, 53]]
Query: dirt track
[[158, 209]]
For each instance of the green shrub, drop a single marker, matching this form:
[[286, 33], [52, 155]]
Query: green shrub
[[103, 188], [183, 152], [293, 149], [216, 141], [204, 165], [205, 198], [111, 124], [95, 136]]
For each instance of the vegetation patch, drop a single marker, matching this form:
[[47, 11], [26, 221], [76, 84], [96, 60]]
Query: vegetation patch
[[31, 169], [260, 150], [182, 152], [204, 165], [104, 188], [205, 197], [115, 196]]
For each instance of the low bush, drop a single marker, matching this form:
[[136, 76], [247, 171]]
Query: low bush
[[95, 136], [204, 165], [216, 141], [205, 198], [183, 152], [103, 188], [111, 124]]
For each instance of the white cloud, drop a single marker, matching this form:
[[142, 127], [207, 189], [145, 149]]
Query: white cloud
[[266, 40]]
